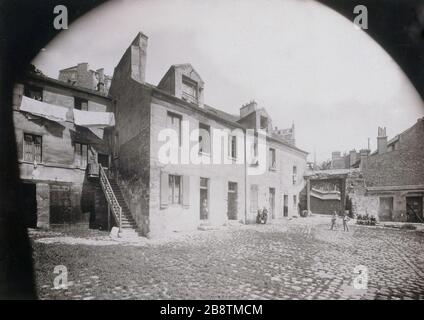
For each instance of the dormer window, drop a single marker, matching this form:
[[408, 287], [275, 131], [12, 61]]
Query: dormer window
[[189, 90]]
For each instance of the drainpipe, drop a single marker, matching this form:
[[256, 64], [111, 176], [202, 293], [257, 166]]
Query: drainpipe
[[245, 180]]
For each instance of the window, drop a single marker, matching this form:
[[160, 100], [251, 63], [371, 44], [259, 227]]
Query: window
[[204, 138], [232, 146], [272, 159], [80, 104], [32, 148], [34, 93], [173, 121], [294, 175], [174, 195], [232, 187], [254, 152], [189, 90], [294, 202], [80, 154]]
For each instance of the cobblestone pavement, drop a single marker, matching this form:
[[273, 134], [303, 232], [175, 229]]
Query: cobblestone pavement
[[295, 260]]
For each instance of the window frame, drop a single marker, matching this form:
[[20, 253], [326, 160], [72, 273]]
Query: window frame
[[273, 159], [208, 129], [193, 85], [81, 100], [171, 191], [172, 115], [81, 144], [30, 88], [33, 153]]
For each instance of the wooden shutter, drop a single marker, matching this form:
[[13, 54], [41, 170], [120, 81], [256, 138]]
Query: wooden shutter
[[18, 92], [164, 189], [186, 191]]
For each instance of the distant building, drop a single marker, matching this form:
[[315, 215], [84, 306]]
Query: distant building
[[394, 176], [345, 161], [81, 76], [387, 183]]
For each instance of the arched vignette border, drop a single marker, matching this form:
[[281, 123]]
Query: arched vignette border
[[398, 27], [26, 27]]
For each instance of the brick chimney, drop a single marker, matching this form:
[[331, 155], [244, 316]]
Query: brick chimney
[[381, 140], [248, 108], [352, 157], [138, 57], [363, 153]]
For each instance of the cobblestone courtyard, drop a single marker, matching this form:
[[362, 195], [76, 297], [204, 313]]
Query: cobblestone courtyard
[[298, 259]]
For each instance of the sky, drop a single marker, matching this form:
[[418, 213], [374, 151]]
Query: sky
[[300, 60]]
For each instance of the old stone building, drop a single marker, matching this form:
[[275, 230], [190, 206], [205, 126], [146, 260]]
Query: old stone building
[[60, 130], [387, 183], [393, 177], [81, 76], [148, 159], [197, 190]]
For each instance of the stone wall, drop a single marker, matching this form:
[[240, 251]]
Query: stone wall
[[404, 166]]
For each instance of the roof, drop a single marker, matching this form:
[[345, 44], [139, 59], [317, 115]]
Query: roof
[[221, 113], [329, 174], [66, 85]]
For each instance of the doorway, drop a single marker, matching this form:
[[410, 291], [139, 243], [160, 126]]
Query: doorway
[[385, 209], [28, 203], [232, 201], [204, 199], [414, 209], [272, 202], [286, 205]]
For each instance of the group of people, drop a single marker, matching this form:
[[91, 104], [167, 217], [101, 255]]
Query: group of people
[[334, 220]]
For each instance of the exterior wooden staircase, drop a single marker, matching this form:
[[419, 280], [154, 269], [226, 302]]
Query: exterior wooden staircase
[[118, 207]]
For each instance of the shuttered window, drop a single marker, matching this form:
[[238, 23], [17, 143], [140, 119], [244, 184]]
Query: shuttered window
[[32, 147], [174, 189], [204, 138], [174, 194]]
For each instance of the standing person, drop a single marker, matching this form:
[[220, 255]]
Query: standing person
[[333, 220], [345, 220]]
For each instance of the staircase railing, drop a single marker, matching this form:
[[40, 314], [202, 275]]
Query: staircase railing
[[113, 203]]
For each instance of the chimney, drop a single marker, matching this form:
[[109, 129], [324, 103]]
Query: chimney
[[138, 57], [381, 140], [363, 153], [82, 67], [248, 108], [101, 78], [335, 155], [352, 157]]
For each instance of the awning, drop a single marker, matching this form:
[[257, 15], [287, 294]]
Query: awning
[[42, 109], [95, 121]]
